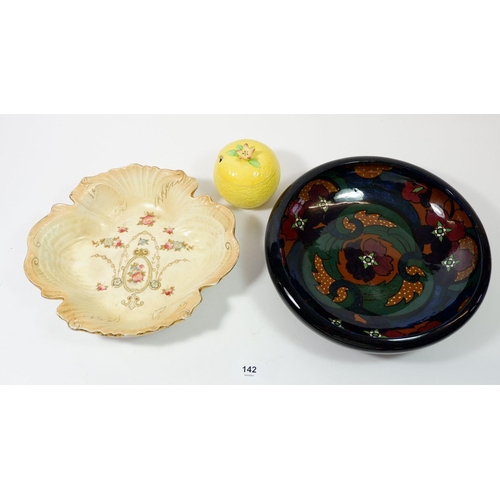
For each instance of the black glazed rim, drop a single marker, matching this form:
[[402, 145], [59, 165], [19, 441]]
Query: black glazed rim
[[306, 308]]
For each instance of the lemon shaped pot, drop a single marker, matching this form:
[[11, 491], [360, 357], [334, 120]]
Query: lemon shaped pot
[[246, 173]]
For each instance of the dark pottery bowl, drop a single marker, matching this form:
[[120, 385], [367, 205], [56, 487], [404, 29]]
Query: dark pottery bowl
[[377, 254]]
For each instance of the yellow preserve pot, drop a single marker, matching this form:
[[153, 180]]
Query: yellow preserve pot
[[246, 173]]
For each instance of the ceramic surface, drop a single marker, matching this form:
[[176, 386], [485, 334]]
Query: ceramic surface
[[377, 254], [133, 253]]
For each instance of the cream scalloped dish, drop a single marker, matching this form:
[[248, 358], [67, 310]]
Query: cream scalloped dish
[[133, 252]]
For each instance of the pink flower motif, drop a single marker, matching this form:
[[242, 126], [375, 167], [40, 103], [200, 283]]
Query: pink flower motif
[[136, 273], [118, 244], [137, 277], [147, 220], [101, 288], [168, 291], [123, 229], [168, 245], [168, 230]]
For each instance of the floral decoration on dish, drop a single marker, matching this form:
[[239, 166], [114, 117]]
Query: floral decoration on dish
[[133, 253]]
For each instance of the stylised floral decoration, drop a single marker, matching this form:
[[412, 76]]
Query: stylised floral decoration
[[118, 281], [367, 258], [379, 264], [299, 223], [413, 191]]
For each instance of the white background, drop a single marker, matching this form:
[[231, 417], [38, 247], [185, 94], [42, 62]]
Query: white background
[[242, 442], [242, 319]]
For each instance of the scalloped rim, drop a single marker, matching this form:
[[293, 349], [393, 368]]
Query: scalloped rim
[[49, 293]]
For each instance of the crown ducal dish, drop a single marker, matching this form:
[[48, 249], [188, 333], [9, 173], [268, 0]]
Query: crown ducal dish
[[133, 253]]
